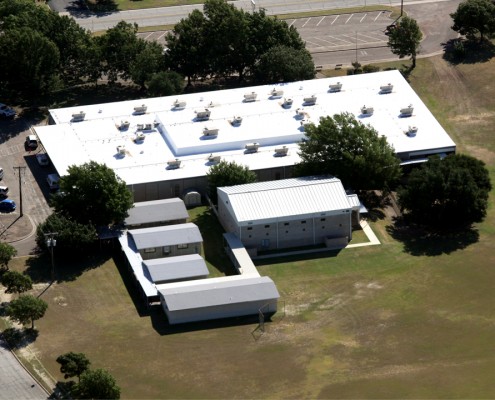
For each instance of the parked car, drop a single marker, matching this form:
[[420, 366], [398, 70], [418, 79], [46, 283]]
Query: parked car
[[7, 205], [1, 173], [31, 142], [52, 180], [6, 111], [4, 191], [43, 159]]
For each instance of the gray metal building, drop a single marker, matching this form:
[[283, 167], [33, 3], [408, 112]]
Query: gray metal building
[[175, 269], [147, 214], [216, 298], [288, 213], [167, 241]]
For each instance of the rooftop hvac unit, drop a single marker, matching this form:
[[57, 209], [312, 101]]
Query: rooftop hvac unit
[[124, 125], [310, 100], [304, 124], [386, 88], [287, 102], [252, 147], [300, 113], [276, 92], [407, 111], [250, 97], [140, 127], [173, 164], [237, 120], [140, 109], [139, 137], [121, 150], [210, 131], [78, 116], [214, 159], [179, 105], [202, 115], [412, 130], [281, 151], [335, 87], [367, 110], [148, 127]]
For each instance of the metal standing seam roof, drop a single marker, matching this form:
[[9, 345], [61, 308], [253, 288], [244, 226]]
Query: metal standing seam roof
[[170, 235], [157, 210], [217, 292], [178, 134], [288, 197], [176, 268]]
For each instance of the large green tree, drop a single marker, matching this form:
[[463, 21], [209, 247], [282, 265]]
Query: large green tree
[[16, 282], [97, 384], [165, 83], [93, 194], [26, 309], [405, 39], [227, 174], [448, 192], [7, 251], [73, 364], [72, 236], [474, 17], [284, 64], [148, 61], [349, 150]]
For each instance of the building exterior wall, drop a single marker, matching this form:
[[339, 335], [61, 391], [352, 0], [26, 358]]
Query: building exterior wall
[[217, 312], [170, 251], [295, 232]]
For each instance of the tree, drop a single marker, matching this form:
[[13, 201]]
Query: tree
[[148, 61], [353, 152], [187, 52], [6, 253], [73, 364], [97, 384], [227, 174], [404, 40], [92, 193], [474, 17], [449, 192], [165, 83], [15, 282], [26, 309], [72, 237], [284, 64]]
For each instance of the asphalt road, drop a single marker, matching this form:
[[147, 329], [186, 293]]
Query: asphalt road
[[15, 382]]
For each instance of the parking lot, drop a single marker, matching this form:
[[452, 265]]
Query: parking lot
[[22, 172], [330, 32]]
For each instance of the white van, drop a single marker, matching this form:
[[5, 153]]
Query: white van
[[52, 180]]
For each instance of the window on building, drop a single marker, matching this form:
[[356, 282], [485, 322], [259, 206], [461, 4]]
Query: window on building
[[182, 246], [303, 222], [166, 250], [286, 224], [277, 176], [267, 226], [150, 250], [322, 220], [176, 190], [265, 243], [250, 228]]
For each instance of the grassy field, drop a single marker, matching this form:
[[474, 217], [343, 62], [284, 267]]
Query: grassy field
[[411, 318]]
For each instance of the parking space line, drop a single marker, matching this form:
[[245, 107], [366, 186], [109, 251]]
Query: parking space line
[[326, 41], [319, 22], [364, 16], [147, 37], [348, 19], [313, 43], [292, 23], [378, 16], [162, 35], [309, 19], [342, 40], [336, 18]]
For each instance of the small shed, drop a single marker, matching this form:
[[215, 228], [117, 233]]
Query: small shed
[[176, 269], [216, 298], [157, 212]]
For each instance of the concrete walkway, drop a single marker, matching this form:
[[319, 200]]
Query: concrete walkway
[[373, 240]]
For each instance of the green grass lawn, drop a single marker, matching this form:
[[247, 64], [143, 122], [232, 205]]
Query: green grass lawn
[[410, 318]]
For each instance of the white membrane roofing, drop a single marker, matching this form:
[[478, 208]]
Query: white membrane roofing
[[177, 134]]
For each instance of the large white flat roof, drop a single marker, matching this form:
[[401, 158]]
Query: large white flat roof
[[178, 134]]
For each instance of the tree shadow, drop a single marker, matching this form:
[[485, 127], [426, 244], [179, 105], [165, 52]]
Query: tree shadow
[[375, 203], [18, 338], [63, 390], [67, 267], [463, 51], [421, 241]]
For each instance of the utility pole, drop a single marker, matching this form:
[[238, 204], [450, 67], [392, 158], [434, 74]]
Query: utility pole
[[401, 7], [20, 187], [51, 242]]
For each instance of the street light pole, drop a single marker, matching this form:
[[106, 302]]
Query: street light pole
[[401, 7], [51, 242]]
